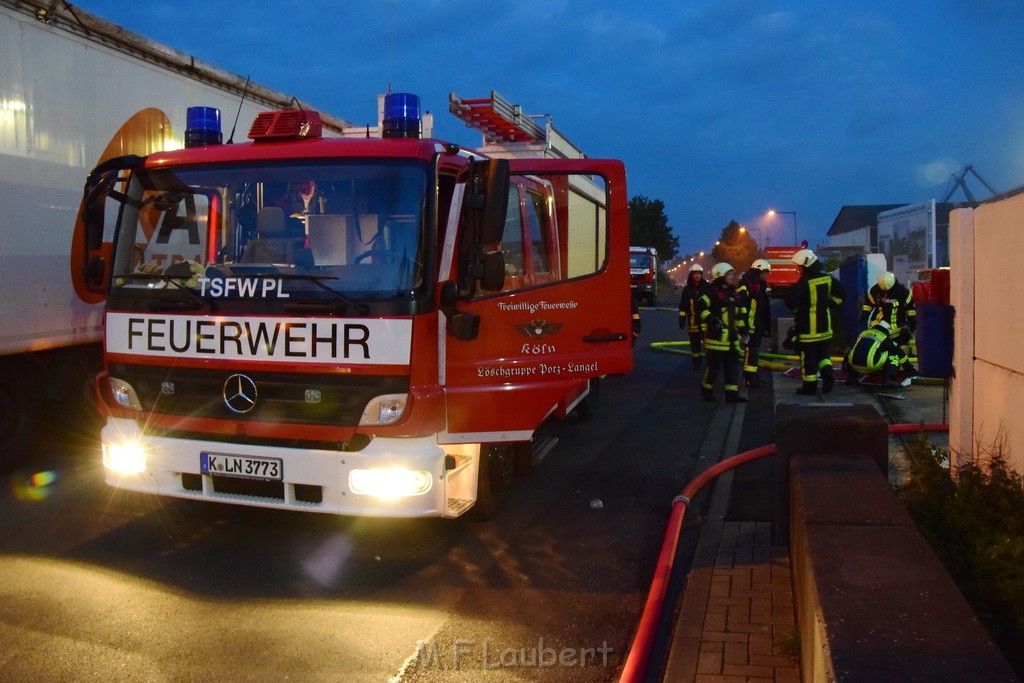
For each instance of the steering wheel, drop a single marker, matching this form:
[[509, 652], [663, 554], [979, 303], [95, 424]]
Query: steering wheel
[[382, 256]]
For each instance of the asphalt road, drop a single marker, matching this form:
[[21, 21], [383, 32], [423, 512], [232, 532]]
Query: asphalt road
[[100, 584]]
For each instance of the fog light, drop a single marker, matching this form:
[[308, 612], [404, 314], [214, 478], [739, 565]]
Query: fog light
[[390, 483], [384, 409], [124, 394], [124, 458]]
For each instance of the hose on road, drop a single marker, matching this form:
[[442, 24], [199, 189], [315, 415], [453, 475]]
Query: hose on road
[[639, 654]]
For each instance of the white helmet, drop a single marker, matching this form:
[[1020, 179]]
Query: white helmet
[[886, 280], [696, 268], [762, 265], [884, 324], [804, 257], [720, 270]]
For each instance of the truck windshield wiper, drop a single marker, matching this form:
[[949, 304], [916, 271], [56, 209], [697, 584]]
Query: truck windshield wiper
[[202, 300], [361, 308]]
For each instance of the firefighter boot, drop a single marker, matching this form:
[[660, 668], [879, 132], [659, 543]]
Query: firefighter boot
[[828, 379], [889, 376], [707, 395], [751, 380], [734, 397], [808, 389]]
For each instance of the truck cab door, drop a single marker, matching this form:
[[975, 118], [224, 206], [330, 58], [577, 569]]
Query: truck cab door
[[562, 316]]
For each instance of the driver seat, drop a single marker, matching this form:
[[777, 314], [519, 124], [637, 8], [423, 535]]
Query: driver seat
[[274, 244]]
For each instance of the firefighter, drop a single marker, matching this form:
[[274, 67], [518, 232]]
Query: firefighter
[[688, 319], [811, 300], [756, 293], [875, 350], [892, 302], [724, 321]]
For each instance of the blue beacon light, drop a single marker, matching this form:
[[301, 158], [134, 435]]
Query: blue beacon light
[[402, 115], [202, 127]]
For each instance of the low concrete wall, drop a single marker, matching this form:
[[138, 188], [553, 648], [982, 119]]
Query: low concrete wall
[[874, 603]]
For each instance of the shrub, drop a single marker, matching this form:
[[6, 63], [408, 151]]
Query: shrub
[[975, 522]]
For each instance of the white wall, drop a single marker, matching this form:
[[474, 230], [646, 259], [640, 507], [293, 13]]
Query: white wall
[[861, 237], [988, 390]]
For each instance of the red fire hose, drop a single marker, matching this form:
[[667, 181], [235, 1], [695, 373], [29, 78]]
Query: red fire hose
[[636, 662]]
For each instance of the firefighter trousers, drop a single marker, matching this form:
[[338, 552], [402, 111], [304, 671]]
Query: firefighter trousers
[[728, 362], [814, 358]]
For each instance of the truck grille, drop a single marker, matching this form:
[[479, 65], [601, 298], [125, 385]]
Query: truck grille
[[288, 398]]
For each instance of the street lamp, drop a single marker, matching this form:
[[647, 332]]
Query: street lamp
[[744, 228], [772, 212]]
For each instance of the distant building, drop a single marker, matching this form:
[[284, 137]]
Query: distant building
[[912, 236], [856, 227]]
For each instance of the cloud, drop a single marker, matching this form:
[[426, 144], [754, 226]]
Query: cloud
[[937, 172]]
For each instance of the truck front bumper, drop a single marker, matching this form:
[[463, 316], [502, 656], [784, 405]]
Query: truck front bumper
[[391, 477]]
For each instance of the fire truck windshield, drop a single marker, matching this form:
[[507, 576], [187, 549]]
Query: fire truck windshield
[[355, 227]]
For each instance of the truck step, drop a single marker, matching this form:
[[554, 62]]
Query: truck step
[[542, 445]]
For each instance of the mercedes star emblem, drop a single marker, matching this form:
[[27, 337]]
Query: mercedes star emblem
[[239, 393]]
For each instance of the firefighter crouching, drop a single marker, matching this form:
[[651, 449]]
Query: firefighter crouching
[[875, 350], [688, 318], [811, 300], [891, 301], [724, 321], [756, 293]]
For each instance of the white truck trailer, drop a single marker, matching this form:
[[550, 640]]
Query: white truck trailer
[[76, 90]]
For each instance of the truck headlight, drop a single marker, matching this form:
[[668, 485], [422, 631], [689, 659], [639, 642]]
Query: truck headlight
[[127, 457], [390, 483], [124, 394], [384, 409]]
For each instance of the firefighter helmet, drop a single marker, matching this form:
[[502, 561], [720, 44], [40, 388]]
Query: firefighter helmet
[[886, 280], [762, 265], [696, 268], [804, 257], [884, 324], [720, 270]]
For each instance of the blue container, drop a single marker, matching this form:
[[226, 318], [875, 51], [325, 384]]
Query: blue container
[[853, 274], [935, 339], [202, 126]]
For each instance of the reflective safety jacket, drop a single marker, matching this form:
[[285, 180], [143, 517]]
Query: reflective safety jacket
[[688, 318], [895, 306], [811, 300], [873, 349], [723, 316], [756, 295]]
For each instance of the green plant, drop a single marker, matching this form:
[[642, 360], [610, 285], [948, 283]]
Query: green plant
[[788, 645], [973, 516]]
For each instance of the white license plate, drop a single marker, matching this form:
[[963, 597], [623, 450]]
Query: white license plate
[[242, 466]]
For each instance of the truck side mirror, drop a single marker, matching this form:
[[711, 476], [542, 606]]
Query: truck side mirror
[[489, 198], [461, 325], [490, 271], [483, 223], [92, 252]]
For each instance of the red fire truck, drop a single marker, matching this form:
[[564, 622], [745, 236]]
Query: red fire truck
[[643, 273], [784, 273], [367, 326]]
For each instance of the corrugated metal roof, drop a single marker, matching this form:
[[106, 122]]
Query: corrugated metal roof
[[854, 217]]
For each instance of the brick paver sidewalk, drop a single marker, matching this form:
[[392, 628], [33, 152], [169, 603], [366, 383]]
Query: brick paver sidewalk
[[749, 623], [737, 621]]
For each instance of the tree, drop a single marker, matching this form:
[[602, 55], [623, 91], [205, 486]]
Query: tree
[[736, 247], [648, 227]]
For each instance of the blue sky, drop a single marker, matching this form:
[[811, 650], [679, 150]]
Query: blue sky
[[721, 109]]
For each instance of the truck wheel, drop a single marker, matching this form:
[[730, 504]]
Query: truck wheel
[[18, 414], [497, 461]]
